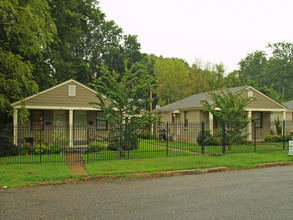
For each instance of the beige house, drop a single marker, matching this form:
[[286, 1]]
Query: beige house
[[64, 109], [190, 110], [288, 118]]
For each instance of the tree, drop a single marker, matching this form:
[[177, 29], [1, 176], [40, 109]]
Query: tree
[[229, 108], [280, 66], [26, 29], [174, 79], [253, 67], [122, 98], [84, 40], [232, 80]]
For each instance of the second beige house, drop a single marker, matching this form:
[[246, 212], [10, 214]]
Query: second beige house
[[191, 111]]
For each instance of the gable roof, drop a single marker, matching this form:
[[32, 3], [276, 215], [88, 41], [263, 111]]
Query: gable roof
[[57, 96], [289, 104], [195, 101]]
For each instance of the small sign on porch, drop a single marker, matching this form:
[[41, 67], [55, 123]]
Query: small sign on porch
[[290, 148]]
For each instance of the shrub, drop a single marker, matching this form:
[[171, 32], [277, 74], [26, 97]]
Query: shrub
[[129, 143], [54, 149], [288, 138], [27, 148], [11, 150], [41, 149], [273, 138], [209, 140], [146, 136], [95, 147], [46, 149]]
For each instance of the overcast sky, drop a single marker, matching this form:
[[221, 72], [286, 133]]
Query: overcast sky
[[213, 30]]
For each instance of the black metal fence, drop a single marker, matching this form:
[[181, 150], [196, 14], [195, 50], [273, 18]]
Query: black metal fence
[[88, 143]]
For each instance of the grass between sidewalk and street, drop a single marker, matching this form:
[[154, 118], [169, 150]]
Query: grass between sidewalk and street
[[21, 175]]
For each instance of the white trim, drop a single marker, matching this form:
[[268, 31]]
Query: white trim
[[284, 107], [15, 126], [249, 128], [266, 110], [58, 108], [70, 128], [54, 87]]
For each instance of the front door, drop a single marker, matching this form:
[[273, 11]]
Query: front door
[[80, 128]]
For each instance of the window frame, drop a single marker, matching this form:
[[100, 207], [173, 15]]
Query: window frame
[[41, 125], [259, 120], [74, 90], [99, 120], [186, 119]]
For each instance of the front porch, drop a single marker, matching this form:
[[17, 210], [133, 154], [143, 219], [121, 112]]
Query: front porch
[[70, 128]]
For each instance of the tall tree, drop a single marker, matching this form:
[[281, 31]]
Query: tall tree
[[26, 28], [173, 78], [280, 67], [122, 97], [85, 40], [253, 67]]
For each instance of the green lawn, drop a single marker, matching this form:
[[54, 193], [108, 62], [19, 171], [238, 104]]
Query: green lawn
[[217, 150], [27, 174], [144, 151], [18, 175], [34, 158], [237, 161]]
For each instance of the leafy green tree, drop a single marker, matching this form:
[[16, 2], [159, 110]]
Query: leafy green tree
[[253, 67], [232, 80], [122, 98], [84, 40], [280, 67], [26, 29], [173, 78], [229, 108]]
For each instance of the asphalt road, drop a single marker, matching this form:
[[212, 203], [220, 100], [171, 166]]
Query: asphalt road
[[248, 194]]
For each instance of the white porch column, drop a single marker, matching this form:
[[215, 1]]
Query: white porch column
[[15, 126], [211, 123], [284, 119], [249, 129], [70, 128]]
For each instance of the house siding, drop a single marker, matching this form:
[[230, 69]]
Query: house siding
[[260, 102], [59, 97]]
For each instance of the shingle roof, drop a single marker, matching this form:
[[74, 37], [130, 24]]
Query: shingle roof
[[289, 104], [194, 101]]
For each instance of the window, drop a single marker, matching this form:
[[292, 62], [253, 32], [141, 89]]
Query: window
[[272, 118], [60, 119], [250, 93], [101, 124], [185, 119], [37, 120], [173, 117], [258, 119], [71, 90]]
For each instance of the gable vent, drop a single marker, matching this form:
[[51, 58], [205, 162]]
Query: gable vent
[[71, 90]]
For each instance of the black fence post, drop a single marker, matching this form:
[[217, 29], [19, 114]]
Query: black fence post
[[284, 132], [40, 144], [167, 136], [129, 136], [202, 138], [88, 142], [254, 126], [224, 138]]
